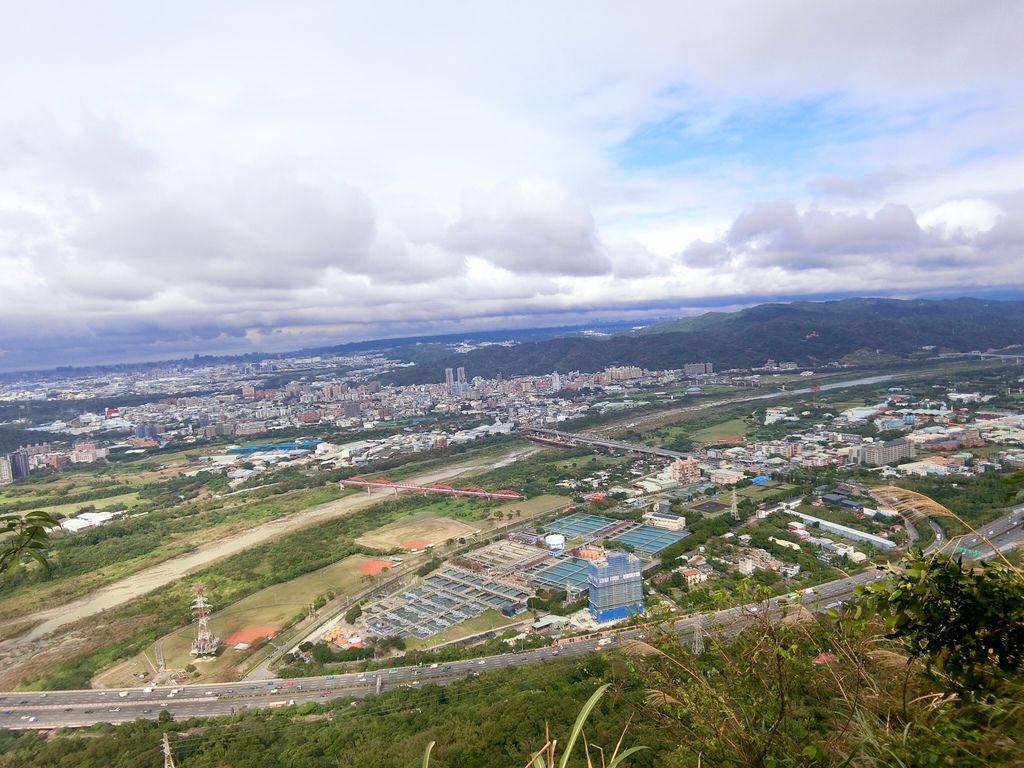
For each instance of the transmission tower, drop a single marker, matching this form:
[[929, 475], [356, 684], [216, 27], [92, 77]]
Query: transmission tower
[[168, 757], [205, 642], [735, 506], [698, 638]]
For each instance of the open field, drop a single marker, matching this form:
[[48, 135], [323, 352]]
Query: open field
[[435, 524], [419, 532], [122, 501], [267, 610], [717, 432], [756, 492]]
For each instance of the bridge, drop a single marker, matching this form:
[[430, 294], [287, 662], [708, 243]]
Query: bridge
[[556, 437]]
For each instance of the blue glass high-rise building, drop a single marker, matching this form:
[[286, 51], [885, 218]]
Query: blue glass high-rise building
[[616, 586]]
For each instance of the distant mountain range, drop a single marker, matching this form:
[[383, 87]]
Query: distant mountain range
[[808, 333]]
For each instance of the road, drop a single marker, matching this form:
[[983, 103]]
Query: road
[[1004, 533], [54, 709]]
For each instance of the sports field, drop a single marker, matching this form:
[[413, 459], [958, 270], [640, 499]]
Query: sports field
[[417, 533]]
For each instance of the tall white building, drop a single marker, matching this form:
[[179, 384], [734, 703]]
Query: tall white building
[[6, 473]]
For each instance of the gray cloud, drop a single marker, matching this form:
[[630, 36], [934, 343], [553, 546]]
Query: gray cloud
[[776, 235], [534, 227], [866, 186]]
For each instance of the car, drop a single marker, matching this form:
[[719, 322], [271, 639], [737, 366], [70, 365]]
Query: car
[[476, 674], [163, 703], [42, 695], [392, 671], [89, 711], [67, 709], [556, 652], [482, 661], [23, 701], [115, 709], [147, 711], [754, 609], [209, 693], [32, 719]]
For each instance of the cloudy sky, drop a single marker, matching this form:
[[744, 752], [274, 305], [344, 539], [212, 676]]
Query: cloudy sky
[[235, 176]]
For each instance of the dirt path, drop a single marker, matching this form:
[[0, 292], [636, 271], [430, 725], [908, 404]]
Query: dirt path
[[171, 570]]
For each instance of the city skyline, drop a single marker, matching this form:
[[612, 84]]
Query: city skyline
[[237, 180]]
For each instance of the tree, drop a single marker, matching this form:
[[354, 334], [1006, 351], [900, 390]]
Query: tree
[[353, 613], [27, 535], [967, 624]]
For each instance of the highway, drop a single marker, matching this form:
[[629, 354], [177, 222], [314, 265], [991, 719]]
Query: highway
[[79, 708], [1004, 533]]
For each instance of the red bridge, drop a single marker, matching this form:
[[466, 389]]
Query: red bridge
[[446, 490]]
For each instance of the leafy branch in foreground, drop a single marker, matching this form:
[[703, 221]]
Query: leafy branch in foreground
[[24, 535], [966, 624]]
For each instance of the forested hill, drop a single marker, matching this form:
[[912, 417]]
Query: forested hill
[[804, 332]]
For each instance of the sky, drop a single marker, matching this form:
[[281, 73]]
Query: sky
[[180, 178]]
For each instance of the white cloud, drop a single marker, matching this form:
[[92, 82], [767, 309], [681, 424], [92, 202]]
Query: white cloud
[[351, 168]]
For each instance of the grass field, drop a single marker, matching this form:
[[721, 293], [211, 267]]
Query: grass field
[[121, 501], [271, 607], [716, 432], [755, 492]]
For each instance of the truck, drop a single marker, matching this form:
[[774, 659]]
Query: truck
[[281, 703]]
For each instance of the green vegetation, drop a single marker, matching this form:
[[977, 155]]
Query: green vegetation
[[828, 692], [782, 331], [22, 535], [108, 552], [967, 625]]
